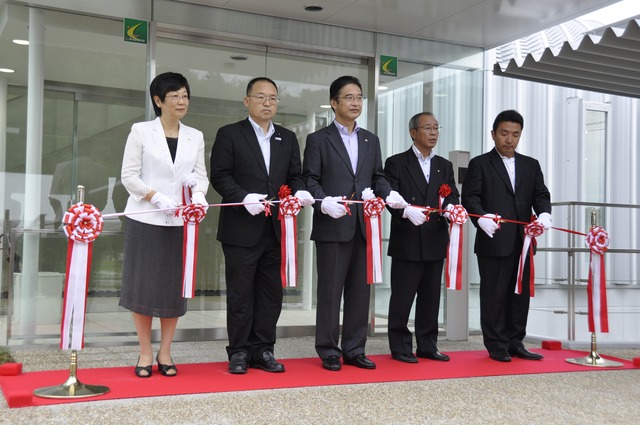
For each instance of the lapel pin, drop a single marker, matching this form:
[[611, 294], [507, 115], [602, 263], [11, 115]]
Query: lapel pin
[[278, 138]]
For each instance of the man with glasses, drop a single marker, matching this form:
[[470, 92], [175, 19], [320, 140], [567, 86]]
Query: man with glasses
[[341, 160], [250, 161], [418, 241]]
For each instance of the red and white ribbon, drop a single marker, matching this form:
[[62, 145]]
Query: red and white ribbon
[[287, 212], [83, 225], [373, 222], [192, 215], [598, 242], [458, 216], [531, 232]]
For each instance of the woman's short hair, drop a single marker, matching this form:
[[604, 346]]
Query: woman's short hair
[[163, 84]]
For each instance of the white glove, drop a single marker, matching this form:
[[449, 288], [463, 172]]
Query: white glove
[[415, 215], [198, 198], [487, 224], [545, 219], [395, 201], [332, 207], [163, 202], [448, 209], [253, 204], [305, 198]]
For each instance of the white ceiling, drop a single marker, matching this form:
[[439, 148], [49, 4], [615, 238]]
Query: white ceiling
[[479, 23]]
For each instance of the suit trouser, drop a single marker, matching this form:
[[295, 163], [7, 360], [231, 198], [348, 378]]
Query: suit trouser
[[342, 269], [254, 294], [420, 280], [503, 313]]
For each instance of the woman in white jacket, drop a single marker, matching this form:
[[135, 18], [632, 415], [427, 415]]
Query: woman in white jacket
[[158, 157]]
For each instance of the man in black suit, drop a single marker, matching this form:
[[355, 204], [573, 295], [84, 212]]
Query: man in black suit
[[504, 184], [343, 159], [250, 160], [418, 246]]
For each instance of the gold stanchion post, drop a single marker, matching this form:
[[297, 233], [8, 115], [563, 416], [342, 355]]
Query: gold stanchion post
[[594, 359], [72, 387]]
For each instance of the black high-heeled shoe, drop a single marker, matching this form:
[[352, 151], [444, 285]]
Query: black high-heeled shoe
[[139, 369], [164, 369]]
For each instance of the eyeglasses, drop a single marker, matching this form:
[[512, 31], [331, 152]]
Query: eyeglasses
[[351, 98], [262, 98], [175, 98], [430, 129]]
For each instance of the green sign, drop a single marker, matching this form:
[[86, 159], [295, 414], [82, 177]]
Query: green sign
[[389, 66], [136, 31]]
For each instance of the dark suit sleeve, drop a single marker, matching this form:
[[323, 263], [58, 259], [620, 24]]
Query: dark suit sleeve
[[222, 168], [472, 190], [379, 181], [392, 172], [541, 195], [454, 196], [294, 175], [312, 169]]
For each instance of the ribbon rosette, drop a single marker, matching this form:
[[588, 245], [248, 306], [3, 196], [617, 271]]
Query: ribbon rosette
[[287, 214], [458, 216], [373, 208], [598, 242], [443, 192], [83, 225], [531, 232], [192, 215]]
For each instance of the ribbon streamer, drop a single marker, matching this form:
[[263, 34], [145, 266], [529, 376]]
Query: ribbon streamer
[[453, 278], [372, 210], [287, 212], [192, 214], [598, 242], [531, 231], [83, 225]]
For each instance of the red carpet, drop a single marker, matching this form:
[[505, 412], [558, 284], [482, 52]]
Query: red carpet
[[308, 372]]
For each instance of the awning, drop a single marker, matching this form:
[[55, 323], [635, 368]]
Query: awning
[[609, 63]]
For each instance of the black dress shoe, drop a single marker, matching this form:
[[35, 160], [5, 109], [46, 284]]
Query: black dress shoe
[[500, 356], [523, 353], [268, 363], [436, 355], [238, 363], [332, 363], [360, 361], [406, 357]]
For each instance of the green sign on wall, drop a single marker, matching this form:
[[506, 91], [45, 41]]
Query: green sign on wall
[[136, 31], [389, 66]]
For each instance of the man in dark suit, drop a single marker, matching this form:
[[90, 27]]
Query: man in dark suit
[[418, 246], [343, 159], [250, 160], [504, 184]]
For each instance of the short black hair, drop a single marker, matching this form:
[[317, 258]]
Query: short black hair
[[339, 83], [510, 115], [163, 84], [255, 80]]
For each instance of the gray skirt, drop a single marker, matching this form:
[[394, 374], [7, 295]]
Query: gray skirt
[[152, 270]]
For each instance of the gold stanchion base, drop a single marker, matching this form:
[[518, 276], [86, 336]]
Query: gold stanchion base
[[72, 388], [593, 359]]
